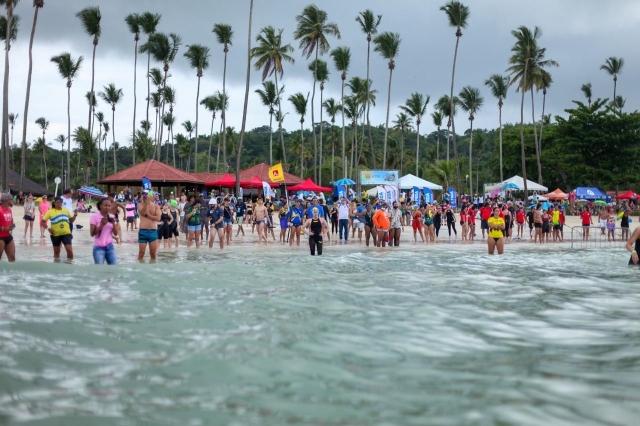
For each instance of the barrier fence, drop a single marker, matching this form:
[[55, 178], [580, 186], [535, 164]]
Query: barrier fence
[[596, 240]]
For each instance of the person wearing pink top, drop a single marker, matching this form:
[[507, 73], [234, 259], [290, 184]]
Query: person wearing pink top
[[43, 208], [103, 227]]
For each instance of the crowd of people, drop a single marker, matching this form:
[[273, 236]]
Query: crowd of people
[[201, 219]]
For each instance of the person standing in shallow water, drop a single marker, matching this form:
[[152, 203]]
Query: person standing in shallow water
[[102, 229], [7, 245], [496, 226], [148, 233], [60, 228], [315, 227]]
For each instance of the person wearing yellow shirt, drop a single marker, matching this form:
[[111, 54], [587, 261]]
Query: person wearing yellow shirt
[[496, 227], [60, 228]]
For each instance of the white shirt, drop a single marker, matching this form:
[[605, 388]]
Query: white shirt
[[343, 211], [67, 203]]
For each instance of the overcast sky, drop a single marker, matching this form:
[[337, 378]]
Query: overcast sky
[[579, 34]]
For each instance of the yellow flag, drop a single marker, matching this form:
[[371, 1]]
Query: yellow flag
[[276, 174]]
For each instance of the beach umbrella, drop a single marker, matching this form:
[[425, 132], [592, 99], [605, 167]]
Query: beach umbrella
[[92, 192], [510, 185], [600, 203], [344, 181], [582, 201]]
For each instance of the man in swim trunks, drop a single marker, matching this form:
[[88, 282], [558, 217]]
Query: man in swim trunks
[[7, 245], [602, 218], [148, 233], [260, 214]]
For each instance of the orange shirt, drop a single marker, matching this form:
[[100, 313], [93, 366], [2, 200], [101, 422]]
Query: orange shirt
[[381, 220]]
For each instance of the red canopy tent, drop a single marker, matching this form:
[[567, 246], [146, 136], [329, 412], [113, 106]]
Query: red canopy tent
[[557, 195], [626, 196], [226, 181], [255, 182], [309, 185]]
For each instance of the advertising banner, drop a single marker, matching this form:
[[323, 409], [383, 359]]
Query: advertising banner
[[379, 177]]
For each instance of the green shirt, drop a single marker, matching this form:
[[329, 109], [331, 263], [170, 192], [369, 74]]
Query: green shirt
[[194, 220]]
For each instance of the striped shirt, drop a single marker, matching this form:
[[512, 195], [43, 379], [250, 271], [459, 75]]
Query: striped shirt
[[60, 224]]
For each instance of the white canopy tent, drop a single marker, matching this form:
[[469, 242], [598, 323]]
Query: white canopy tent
[[519, 182], [409, 181]]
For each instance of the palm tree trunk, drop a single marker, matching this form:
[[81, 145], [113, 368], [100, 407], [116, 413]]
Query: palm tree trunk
[[210, 143], [438, 145], [448, 135], [246, 99], [23, 157], [13, 166], [44, 160], [344, 155], [417, 149], [470, 157], [113, 133], [148, 89], [522, 151], [301, 148], [320, 164], [161, 127], [333, 150], [402, 151], [500, 132], [155, 134], [284, 155], [544, 101], [173, 148], [313, 122], [224, 112], [68, 132], [5, 104], [135, 100], [386, 128], [99, 147], [373, 156], [453, 125], [93, 75], [535, 139], [195, 161], [219, 143], [271, 139]]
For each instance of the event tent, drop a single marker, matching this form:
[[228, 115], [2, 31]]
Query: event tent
[[626, 195], [409, 181], [557, 195], [255, 182], [226, 181], [309, 185], [589, 193], [519, 182]]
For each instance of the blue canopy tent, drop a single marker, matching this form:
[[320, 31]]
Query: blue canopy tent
[[589, 193]]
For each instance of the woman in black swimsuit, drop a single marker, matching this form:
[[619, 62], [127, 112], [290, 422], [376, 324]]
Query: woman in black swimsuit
[[369, 229], [633, 245], [451, 221], [437, 221]]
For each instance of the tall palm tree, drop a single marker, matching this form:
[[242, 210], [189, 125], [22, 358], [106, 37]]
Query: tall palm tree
[[156, 102], [311, 31], [169, 120], [90, 18], [43, 123], [437, 118], [320, 72], [87, 144], [618, 103], [224, 106], [369, 25], [352, 110], [416, 107], [471, 102], [163, 48], [37, 5], [388, 45], [246, 99], [93, 102], [587, 91], [211, 104], [443, 105], [134, 22], [143, 144], [403, 123], [149, 23], [198, 57], [170, 98], [112, 96], [106, 128], [499, 86], [332, 108], [13, 118], [68, 69], [10, 32], [224, 35], [458, 18], [100, 117], [543, 82], [342, 59], [188, 127], [269, 98], [270, 54], [613, 66], [299, 103], [443, 172]]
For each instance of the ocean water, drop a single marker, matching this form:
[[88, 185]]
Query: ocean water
[[442, 336]]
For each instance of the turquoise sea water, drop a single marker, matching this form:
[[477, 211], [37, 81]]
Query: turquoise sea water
[[445, 336]]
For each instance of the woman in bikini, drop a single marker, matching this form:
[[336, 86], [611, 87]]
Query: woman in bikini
[[496, 228]]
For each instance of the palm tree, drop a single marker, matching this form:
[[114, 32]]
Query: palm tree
[[37, 5], [188, 127], [437, 118], [143, 144], [112, 96], [100, 117], [269, 98], [68, 69], [87, 144], [90, 17], [403, 123], [388, 45], [184, 149], [224, 106], [12, 122], [321, 74], [613, 66], [499, 86], [169, 120], [43, 123], [212, 105], [332, 108], [471, 102], [618, 102], [443, 105], [586, 89], [270, 55], [311, 31], [416, 107], [149, 22], [163, 48], [352, 111], [300, 105], [443, 172], [342, 59], [369, 25], [156, 101], [106, 128], [458, 18], [134, 22], [224, 35], [198, 57], [10, 33], [93, 102], [543, 82]]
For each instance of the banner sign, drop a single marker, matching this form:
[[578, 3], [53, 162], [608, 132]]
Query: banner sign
[[266, 189], [428, 196], [379, 177], [340, 191], [453, 197], [415, 195], [276, 174]]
